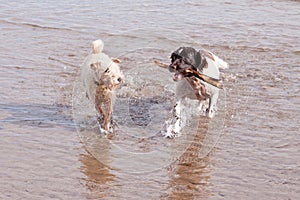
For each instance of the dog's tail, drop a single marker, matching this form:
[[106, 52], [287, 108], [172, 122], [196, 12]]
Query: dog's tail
[[219, 62], [97, 46]]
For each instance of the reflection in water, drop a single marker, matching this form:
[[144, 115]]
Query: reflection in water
[[191, 173], [188, 177], [98, 179]]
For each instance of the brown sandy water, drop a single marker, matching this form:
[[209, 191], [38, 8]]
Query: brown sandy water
[[257, 153]]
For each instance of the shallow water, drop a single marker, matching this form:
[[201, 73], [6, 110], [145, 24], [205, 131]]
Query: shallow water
[[256, 154]]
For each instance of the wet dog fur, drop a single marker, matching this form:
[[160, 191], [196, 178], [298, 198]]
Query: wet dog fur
[[101, 78]]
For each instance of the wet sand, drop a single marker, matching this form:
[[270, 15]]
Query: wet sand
[[257, 155]]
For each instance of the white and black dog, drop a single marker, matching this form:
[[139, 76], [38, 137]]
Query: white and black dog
[[190, 86]]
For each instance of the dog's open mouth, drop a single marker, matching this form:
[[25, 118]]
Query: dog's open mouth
[[177, 76]]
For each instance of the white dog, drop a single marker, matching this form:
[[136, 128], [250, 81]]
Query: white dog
[[101, 75], [192, 87]]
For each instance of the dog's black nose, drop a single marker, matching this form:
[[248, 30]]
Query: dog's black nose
[[119, 79]]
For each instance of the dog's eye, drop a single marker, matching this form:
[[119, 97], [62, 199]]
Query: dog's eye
[[107, 70], [175, 56], [172, 58]]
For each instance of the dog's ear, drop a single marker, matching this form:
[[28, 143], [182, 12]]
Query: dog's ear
[[107, 70], [173, 56], [200, 60], [116, 60]]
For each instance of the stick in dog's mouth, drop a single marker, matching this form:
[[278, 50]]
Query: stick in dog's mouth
[[188, 72], [160, 64]]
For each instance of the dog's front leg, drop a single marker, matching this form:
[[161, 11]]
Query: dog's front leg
[[212, 105], [102, 115], [177, 116], [107, 116], [173, 126]]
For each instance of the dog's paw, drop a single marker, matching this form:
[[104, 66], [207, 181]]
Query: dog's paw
[[210, 113], [170, 131], [102, 130], [169, 134]]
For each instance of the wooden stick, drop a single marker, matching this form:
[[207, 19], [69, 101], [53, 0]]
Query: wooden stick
[[188, 72], [160, 64]]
